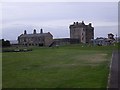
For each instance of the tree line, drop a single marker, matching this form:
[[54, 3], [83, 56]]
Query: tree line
[[5, 43]]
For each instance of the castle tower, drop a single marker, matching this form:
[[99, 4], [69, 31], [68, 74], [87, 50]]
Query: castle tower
[[82, 32]]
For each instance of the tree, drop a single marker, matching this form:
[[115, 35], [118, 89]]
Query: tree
[[5, 43]]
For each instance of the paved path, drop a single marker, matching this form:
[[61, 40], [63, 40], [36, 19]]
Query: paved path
[[114, 80]]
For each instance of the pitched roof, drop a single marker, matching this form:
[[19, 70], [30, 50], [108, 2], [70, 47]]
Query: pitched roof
[[36, 35]]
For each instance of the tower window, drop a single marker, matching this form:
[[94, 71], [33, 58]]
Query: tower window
[[24, 40], [82, 38]]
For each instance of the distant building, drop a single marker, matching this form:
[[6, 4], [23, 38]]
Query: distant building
[[104, 41], [100, 41], [111, 36], [79, 33], [35, 39], [85, 33]]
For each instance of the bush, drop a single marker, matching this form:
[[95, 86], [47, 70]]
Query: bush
[[5, 43]]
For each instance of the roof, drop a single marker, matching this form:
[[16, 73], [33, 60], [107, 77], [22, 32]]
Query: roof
[[100, 38], [36, 35]]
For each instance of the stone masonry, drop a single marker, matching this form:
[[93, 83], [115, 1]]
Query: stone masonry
[[85, 33]]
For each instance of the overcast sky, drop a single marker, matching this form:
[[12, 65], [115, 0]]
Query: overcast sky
[[55, 17]]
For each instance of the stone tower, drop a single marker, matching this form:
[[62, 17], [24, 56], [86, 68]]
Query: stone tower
[[82, 32]]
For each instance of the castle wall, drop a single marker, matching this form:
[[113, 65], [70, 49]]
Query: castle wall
[[66, 41]]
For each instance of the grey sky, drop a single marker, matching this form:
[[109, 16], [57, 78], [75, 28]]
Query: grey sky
[[55, 17]]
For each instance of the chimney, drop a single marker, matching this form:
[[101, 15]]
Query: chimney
[[25, 32], [74, 23], [34, 32], [82, 22], [41, 30], [90, 24]]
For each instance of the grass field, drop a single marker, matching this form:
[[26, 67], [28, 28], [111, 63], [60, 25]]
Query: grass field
[[70, 66], [0, 69]]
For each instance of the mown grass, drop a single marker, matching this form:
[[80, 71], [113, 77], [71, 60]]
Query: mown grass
[[72, 66], [0, 69]]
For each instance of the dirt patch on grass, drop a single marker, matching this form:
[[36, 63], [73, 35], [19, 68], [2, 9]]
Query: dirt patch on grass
[[90, 58], [96, 58]]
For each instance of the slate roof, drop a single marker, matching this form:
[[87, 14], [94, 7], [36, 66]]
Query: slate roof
[[36, 35]]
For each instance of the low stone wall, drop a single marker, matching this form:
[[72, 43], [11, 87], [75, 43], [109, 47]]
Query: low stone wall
[[66, 41]]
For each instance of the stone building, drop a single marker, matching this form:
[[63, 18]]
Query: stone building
[[111, 36], [35, 39], [104, 41], [100, 41], [85, 33]]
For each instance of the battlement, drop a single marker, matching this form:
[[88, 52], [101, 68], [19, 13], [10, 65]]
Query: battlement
[[80, 24]]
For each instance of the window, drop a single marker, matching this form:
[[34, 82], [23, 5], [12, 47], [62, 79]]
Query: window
[[82, 38], [24, 39]]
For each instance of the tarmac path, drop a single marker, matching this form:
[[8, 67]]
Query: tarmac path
[[114, 78]]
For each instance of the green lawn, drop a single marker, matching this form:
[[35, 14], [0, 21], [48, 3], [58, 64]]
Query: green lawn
[[0, 69], [70, 66]]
